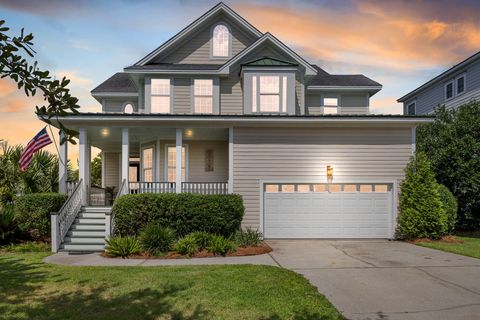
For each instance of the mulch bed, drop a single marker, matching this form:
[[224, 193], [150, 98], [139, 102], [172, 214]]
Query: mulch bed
[[241, 251], [446, 239]]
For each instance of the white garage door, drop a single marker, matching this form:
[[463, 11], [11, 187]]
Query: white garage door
[[327, 211]]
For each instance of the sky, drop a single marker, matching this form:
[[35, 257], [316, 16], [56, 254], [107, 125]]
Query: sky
[[401, 44]]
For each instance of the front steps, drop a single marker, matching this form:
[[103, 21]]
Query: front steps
[[87, 233]]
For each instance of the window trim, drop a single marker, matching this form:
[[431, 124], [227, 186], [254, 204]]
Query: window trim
[[282, 109], [194, 96], [414, 103], [330, 96], [142, 168], [462, 75], [212, 57], [165, 159], [160, 95], [452, 82]]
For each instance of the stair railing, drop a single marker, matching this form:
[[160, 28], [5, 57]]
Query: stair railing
[[109, 219], [62, 220]]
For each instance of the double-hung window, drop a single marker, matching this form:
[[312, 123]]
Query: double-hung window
[[203, 95], [269, 94], [460, 84], [160, 96], [411, 108], [449, 90], [330, 105], [147, 164]]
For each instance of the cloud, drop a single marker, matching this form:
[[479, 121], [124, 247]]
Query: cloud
[[46, 8]]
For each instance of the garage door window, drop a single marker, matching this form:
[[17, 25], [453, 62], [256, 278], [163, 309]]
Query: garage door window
[[325, 187], [366, 188]]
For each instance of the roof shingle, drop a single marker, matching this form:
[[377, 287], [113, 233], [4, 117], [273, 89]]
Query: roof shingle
[[119, 82], [323, 78]]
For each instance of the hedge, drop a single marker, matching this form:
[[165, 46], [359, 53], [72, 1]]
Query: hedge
[[450, 205], [33, 212], [184, 213]]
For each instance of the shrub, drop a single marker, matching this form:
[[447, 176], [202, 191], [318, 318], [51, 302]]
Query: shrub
[[122, 246], [8, 224], [187, 245], [202, 239], [28, 247], [184, 212], [450, 205], [156, 239], [422, 214], [248, 238], [33, 212], [221, 246], [452, 144]]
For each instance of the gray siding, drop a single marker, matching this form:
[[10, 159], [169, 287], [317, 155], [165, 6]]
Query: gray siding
[[112, 169], [434, 95], [357, 103], [182, 95], [303, 153], [196, 160], [116, 104], [231, 95], [196, 49]]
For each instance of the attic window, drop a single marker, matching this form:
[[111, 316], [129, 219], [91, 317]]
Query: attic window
[[220, 42]]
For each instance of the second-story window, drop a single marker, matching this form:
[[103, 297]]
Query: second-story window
[[449, 90], [460, 82], [330, 105], [220, 38], [269, 94], [411, 108], [203, 95], [160, 96]]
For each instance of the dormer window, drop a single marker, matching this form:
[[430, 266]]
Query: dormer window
[[220, 41]]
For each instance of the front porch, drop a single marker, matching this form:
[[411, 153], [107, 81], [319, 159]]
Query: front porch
[[152, 160]]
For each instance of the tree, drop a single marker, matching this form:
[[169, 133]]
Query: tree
[[32, 79], [452, 143], [97, 171], [422, 213]]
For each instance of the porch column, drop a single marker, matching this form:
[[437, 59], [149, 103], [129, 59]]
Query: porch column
[[230, 160], [178, 157], [125, 154], [62, 165], [84, 165]]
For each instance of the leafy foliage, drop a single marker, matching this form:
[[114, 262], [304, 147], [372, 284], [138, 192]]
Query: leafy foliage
[[29, 246], [33, 211], [122, 246], [156, 239], [422, 214], [221, 246], [450, 205], [8, 224], [32, 79], [96, 176], [452, 143], [202, 239], [184, 213], [187, 245], [248, 237]]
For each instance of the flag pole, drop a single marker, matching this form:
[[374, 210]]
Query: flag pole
[[55, 143]]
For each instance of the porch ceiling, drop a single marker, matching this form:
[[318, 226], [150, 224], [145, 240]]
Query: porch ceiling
[[109, 138]]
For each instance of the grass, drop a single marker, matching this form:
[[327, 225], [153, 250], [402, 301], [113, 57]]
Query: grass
[[31, 289], [469, 247]]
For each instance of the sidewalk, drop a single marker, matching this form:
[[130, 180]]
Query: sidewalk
[[95, 259]]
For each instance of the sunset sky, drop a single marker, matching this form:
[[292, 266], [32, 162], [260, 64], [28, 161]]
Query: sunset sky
[[400, 44]]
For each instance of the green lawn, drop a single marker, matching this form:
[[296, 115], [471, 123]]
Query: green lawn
[[31, 289], [470, 246]]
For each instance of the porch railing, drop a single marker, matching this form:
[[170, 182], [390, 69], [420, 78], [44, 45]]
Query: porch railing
[[71, 186], [151, 187], [205, 187], [98, 196], [62, 220]]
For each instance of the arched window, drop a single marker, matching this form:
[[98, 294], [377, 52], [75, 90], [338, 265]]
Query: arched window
[[221, 39], [128, 108]]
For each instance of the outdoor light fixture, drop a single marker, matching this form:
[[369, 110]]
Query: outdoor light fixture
[[329, 173], [188, 133], [105, 132]]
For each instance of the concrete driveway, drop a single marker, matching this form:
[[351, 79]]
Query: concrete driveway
[[379, 279]]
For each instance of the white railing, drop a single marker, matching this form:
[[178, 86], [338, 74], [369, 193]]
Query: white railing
[[151, 187], [109, 219], [71, 186], [62, 220], [205, 187], [97, 196]]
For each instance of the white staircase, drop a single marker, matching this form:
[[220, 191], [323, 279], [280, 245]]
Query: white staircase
[[87, 233]]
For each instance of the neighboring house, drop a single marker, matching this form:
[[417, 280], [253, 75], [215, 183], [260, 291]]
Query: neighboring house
[[224, 108], [454, 87]]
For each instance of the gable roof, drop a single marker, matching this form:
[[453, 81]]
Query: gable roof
[[268, 61], [221, 7], [268, 37], [443, 75], [119, 82]]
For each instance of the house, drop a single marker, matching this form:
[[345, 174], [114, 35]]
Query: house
[[452, 88], [224, 108]]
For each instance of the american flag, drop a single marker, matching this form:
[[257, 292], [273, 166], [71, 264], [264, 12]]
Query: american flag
[[38, 142]]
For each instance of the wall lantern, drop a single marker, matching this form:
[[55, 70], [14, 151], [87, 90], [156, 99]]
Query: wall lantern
[[105, 132], [188, 133], [329, 173]]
